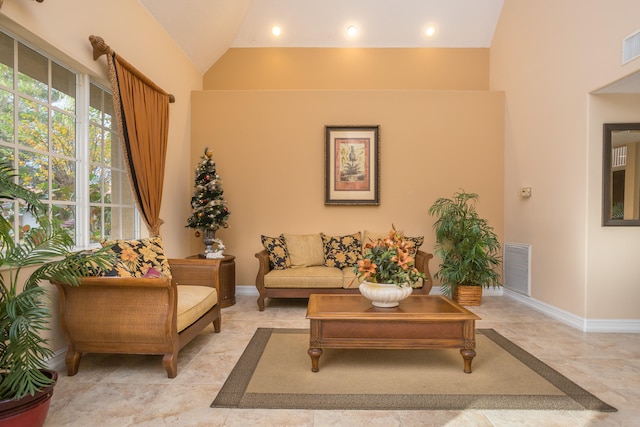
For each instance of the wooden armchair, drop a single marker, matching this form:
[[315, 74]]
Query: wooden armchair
[[140, 315]]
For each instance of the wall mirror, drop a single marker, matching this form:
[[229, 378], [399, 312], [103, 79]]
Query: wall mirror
[[621, 174]]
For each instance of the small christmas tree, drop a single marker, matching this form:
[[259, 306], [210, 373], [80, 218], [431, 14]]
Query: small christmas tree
[[209, 207]]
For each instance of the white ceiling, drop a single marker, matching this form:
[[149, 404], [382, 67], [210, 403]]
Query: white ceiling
[[205, 29]]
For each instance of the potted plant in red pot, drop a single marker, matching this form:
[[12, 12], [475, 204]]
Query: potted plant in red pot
[[41, 253]]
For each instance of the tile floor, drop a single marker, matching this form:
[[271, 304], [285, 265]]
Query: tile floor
[[121, 390]]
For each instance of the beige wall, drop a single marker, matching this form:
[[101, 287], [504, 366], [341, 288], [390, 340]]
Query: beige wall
[[269, 148], [350, 69], [66, 26], [612, 253], [548, 56]]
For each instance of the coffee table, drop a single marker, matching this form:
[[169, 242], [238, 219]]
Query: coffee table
[[420, 321]]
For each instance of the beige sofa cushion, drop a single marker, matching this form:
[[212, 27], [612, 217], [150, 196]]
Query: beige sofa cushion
[[372, 236], [349, 279], [305, 250], [193, 302], [307, 277]]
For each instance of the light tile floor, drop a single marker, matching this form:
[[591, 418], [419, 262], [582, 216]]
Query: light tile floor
[[125, 390]]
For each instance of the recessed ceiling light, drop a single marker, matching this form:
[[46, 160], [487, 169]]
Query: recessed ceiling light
[[430, 31], [276, 31], [352, 31]]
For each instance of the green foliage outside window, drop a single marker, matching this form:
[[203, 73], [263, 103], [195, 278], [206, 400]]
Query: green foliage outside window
[[38, 121]]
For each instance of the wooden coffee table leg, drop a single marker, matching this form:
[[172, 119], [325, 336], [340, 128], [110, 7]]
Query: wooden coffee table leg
[[467, 354], [315, 354]]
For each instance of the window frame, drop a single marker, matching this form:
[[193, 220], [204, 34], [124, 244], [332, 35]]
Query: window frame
[[82, 159]]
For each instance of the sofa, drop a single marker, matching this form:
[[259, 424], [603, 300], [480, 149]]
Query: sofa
[[146, 304], [296, 266]]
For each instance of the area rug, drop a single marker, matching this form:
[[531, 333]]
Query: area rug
[[274, 372]]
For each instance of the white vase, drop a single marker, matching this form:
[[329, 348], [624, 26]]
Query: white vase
[[385, 294]]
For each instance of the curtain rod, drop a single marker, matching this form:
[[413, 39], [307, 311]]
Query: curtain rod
[[101, 48]]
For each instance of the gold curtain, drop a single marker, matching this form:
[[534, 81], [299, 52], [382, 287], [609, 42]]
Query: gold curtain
[[142, 112]]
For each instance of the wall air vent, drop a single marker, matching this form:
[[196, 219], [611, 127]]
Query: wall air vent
[[516, 263], [631, 47]]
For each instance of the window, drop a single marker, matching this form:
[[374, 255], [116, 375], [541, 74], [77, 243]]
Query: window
[[77, 170]]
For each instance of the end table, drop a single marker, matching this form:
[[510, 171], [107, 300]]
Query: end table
[[227, 278]]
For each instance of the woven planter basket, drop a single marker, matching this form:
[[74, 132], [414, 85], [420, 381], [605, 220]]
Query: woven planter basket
[[468, 295]]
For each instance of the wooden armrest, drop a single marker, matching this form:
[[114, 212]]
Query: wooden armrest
[[124, 282], [263, 259], [196, 271], [108, 309], [264, 266], [422, 264]]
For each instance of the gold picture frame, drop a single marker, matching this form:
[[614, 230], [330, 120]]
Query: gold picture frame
[[352, 165]]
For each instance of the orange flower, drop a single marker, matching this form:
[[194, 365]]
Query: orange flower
[[128, 255], [388, 260], [367, 268], [404, 260]]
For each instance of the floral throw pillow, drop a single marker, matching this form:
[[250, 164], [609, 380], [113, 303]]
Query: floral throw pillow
[[137, 257], [118, 269], [342, 251], [277, 250], [417, 242]]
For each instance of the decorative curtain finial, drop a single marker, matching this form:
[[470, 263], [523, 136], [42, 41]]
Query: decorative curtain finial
[[99, 46]]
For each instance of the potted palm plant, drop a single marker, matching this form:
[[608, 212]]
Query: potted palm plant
[[468, 247], [40, 253]]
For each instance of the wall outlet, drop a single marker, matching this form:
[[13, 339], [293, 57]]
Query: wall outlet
[[525, 192]]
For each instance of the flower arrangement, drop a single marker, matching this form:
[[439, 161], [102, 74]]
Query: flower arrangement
[[389, 260]]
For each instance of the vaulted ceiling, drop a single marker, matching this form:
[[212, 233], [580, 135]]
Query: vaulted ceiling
[[205, 29]]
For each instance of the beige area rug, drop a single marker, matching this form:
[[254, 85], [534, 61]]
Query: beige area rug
[[274, 372]]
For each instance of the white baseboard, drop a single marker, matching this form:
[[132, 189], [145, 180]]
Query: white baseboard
[[581, 323], [56, 362], [246, 290]]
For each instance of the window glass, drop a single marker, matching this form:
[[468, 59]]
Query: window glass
[[33, 73], [63, 179], [128, 227], [113, 209], [6, 61], [63, 134], [66, 216], [33, 124], [6, 116], [63, 92], [46, 148], [95, 225], [33, 171]]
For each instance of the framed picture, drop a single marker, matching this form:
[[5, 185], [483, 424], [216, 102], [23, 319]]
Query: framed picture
[[352, 165]]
